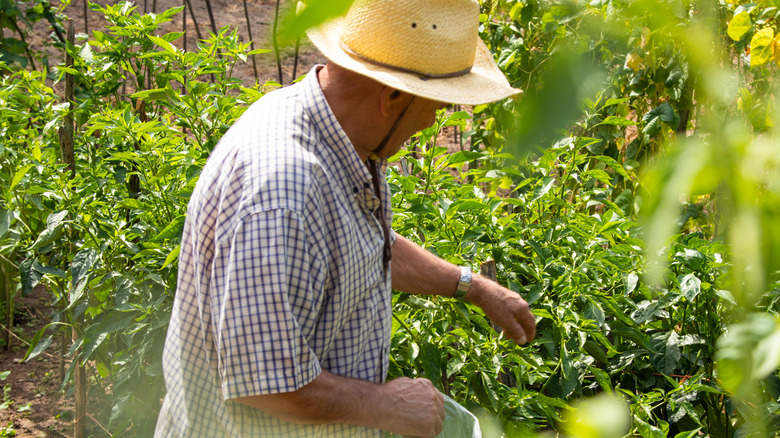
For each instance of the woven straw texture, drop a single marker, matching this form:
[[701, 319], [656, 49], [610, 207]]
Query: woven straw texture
[[444, 38], [387, 35]]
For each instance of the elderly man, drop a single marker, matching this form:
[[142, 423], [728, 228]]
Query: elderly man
[[282, 316]]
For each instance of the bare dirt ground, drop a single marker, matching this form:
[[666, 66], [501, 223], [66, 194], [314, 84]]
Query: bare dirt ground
[[33, 403]]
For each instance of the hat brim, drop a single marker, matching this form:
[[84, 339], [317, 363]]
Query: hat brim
[[485, 82]]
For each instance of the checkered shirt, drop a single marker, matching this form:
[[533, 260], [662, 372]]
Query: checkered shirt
[[280, 273]]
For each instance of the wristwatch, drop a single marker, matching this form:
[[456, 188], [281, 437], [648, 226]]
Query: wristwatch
[[464, 283]]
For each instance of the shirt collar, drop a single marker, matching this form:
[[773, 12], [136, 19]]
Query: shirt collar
[[332, 135]]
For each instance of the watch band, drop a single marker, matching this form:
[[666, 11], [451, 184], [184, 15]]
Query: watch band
[[464, 283]]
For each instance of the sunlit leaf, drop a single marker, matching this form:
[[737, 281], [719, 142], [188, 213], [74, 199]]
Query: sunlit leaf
[[314, 13], [739, 26], [762, 47]]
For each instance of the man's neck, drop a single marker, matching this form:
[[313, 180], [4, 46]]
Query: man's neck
[[352, 99]]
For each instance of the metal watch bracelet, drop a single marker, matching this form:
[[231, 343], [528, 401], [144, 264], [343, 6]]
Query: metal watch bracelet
[[464, 283]]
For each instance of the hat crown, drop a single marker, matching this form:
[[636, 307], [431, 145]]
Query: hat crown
[[431, 37]]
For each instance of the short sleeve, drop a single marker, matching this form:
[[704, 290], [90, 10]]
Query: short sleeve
[[262, 294]]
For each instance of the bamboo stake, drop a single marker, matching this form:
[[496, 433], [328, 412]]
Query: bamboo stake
[[211, 17], [194, 20], [276, 43], [27, 50], [5, 278], [251, 40], [86, 22], [80, 381], [66, 131], [184, 24], [488, 270], [295, 64]]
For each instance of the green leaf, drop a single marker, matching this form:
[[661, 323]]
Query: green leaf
[[726, 295], [662, 113], [82, 263], [174, 255], [602, 378], [647, 430], [313, 14], [28, 275], [667, 360], [168, 47], [86, 54], [131, 203], [614, 165], [6, 216], [762, 48], [631, 281], [599, 175], [739, 25], [151, 95], [688, 434], [690, 286], [617, 121], [593, 311], [431, 362], [467, 205], [4, 375], [172, 231], [54, 226], [546, 184], [36, 345], [569, 373], [19, 175]]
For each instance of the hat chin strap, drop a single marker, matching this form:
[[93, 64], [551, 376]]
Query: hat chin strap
[[375, 153]]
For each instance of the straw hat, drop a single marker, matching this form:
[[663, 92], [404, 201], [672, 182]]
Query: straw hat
[[428, 48]]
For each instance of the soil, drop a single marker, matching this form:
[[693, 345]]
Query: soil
[[33, 404]]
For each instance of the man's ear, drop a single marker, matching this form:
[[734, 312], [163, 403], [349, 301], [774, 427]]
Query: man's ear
[[390, 100]]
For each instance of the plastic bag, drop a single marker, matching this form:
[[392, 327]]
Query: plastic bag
[[458, 423]]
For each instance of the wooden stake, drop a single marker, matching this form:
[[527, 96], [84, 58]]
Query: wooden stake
[[66, 131], [86, 22], [295, 64], [488, 270], [251, 40], [276, 43], [211, 17], [194, 21], [80, 382], [5, 281]]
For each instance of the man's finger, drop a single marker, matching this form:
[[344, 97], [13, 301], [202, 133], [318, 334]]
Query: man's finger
[[528, 323]]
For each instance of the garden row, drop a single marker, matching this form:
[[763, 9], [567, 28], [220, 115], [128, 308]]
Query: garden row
[[631, 196]]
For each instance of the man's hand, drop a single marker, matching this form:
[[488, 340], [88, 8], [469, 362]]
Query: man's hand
[[417, 271], [415, 407], [505, 308], [404, 406]]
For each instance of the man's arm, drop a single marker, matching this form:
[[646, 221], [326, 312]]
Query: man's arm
[[403, 406], [417, 271]]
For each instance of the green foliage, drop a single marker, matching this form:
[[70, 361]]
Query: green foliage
[[18, 18], [105, 240], [577, 222], [565, 233], [630, 196]]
